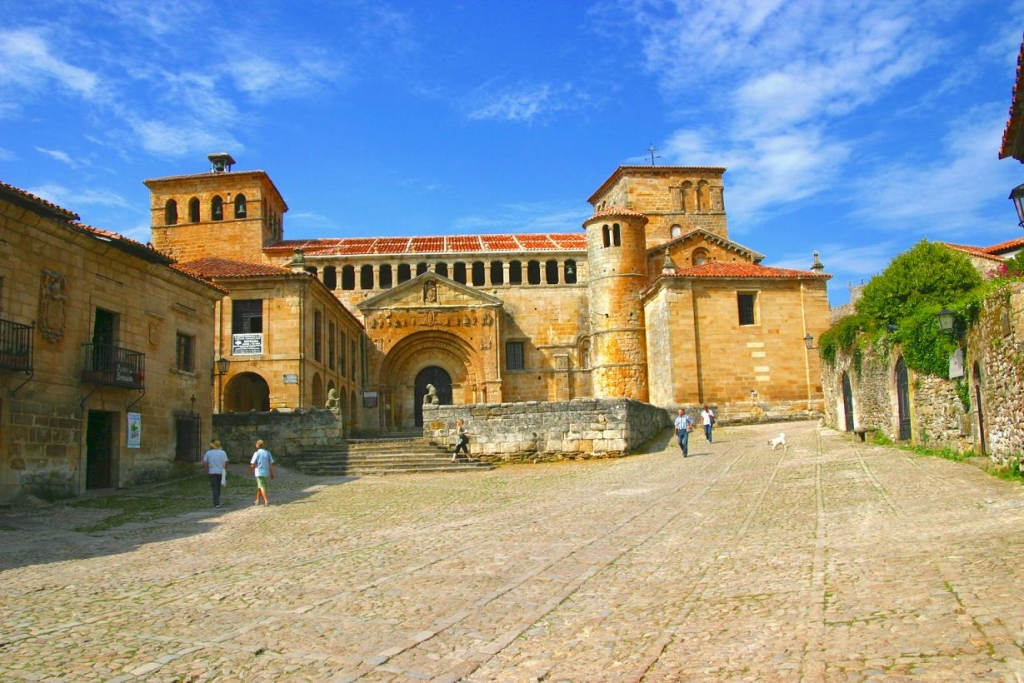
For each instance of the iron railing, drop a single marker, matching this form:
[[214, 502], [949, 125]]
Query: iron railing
[[15, 346], [114, 366]]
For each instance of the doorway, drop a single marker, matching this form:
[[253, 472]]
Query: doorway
[[442, 382], [848, 402], [100, 450], [903, 399]]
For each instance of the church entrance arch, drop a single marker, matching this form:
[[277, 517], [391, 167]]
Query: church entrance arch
[[442, 383], [450, 360], [246, 391]]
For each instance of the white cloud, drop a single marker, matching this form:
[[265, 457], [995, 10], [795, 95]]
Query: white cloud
[[70, 199], [28, 63], [167, 139], [522, 104], [60, 156]]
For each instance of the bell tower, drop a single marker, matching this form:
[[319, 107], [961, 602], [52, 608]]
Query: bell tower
[[617, 254], [220, 213]]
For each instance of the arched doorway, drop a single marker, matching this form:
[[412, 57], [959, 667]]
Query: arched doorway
[[976, 379], [442, 382], [848, 402], [318, 391], [246, 391], [903, 399]]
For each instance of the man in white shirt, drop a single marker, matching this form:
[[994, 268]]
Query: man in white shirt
[[682, 425]]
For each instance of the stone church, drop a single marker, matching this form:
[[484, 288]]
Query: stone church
[[651, 300]]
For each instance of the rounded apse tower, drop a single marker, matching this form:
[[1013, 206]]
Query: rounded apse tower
[[617, 256]]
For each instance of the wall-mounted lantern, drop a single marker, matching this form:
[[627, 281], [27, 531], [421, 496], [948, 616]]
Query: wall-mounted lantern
[[1017, 197], [947, 320], [809, 342]]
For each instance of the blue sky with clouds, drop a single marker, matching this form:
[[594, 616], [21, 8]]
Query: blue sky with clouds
[[852, 128]]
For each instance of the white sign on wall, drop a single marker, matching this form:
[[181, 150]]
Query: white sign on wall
[[250, 344]]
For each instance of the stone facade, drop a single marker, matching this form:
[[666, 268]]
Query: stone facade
[[994, 378], [95, 329], [542, 317], [554, 430]]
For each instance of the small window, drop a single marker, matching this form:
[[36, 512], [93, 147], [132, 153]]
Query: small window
[[497, 273], [385, 279], [186, 356], [341, 354], [318, 329], [171, 212], [700, 257], [479, 278], [459, 272], [677, 231], [606, 235], [551, 272], [193, 210], [404, 272], [514, 359], [441, 269], [616, 235], [533, 272], [348, 278], [246, 316], [217, 208], [239, 206], [570, 272], [515, 273], [747, 307], [421, 268], [331, 333], [366, 277], [330, 277]]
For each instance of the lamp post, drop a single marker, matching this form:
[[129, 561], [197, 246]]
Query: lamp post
[[947, 318], [221, 368], [1017, 197]]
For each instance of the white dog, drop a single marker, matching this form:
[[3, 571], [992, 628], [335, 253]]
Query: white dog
[[780, 440]]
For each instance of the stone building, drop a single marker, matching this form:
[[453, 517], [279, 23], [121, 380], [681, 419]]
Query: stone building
[[106, 355], [650, 301]]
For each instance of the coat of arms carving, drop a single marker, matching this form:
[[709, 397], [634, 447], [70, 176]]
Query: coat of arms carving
[[52, 305]]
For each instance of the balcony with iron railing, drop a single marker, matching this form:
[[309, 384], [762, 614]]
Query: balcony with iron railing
[[110, 365], [15, 346]]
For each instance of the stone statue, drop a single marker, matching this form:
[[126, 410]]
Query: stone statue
[[332, 400], [430, 398]]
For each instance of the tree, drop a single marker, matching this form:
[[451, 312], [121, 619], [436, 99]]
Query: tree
[[927, 275]]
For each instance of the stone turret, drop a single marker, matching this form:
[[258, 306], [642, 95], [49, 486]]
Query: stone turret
[[617, 254]]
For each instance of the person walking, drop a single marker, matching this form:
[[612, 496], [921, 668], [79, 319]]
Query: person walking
[[262, 465], [215, 463], [683, 424], [707, 419], [462, 438]]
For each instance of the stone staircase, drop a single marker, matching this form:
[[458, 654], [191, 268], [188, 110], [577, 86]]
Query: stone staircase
[[396, 454]]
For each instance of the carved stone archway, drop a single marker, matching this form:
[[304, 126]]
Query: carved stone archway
[[422, 350]]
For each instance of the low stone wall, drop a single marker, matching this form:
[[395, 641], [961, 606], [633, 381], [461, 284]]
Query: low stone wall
[[532, 431], [285, 434]]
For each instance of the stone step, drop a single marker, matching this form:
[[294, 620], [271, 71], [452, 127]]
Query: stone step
[[382, 456]]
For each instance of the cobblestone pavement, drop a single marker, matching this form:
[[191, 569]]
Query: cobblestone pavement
[[827, 561]]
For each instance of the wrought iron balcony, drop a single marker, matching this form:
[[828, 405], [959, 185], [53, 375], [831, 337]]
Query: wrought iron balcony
[[111, 365], [15, 346]]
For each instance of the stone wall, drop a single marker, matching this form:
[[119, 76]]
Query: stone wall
[[285, 434], [994, 371], [517, 432]]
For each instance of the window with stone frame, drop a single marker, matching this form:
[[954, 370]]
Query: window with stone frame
[[515, 358], [186, 352], [747, 305]]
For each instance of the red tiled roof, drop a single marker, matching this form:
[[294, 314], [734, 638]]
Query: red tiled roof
[[733, 269], [980, 252], [1009, 245], [615, 211], [1013, 125], [49, 207], [454, 244], [228, 268]]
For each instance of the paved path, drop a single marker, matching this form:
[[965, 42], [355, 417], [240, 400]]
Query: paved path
[[830, 561]]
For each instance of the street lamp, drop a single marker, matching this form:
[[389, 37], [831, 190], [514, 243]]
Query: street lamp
[[946, 320], [809, 342], [221, 368], [1017, 196]]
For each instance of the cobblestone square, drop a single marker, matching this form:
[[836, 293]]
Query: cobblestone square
[[829, 560]]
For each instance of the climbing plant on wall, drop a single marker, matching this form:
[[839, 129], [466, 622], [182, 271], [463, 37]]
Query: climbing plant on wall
[[900, 306]]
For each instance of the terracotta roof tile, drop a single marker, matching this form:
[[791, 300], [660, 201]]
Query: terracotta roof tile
[[452, 244], [1009, 245], [1013, 125], [51, 208], [616, 211], [228, 268], [732, 269]]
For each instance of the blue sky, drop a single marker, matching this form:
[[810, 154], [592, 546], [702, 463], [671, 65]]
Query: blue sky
[[852, 128]]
